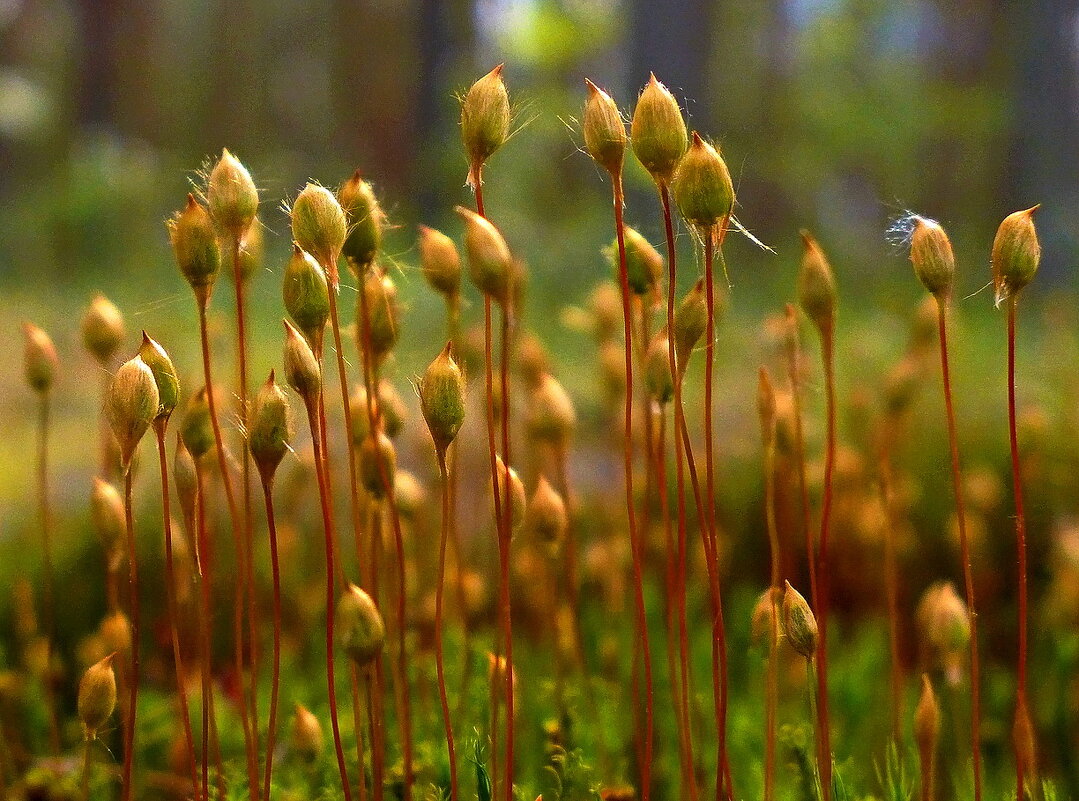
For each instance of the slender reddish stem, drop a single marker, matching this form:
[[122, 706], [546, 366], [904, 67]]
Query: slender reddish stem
[[203, 560], [824, 753], [439, 589], [249, 534], [46, 542], [507, 525], [328, 532], [275, 677], [170, 600], [719, 633], [133, 676], [891, 586], [793, 361], [680, 484], [1020, 543], [375, 712], [771, 688], [964, 549], [237, 537], [634, 535]]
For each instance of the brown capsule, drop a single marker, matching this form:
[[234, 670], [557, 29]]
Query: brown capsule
[[604, 130], [383, 310], [195, 247], [442, 398], [605, 303], [116, 633], [306, 293], [270, 428], [196, 428], [490, 264], [658, 132], [366, 221], [927, 734], [485, 120], [132, 402], [360, 628], [1016, 253], [319, 227], [39, 358], [550, 416], [232, 196], [377, 457], [547, 515], [764, 625], [97, 697], [107, 513], [702, 186], [532, 359], [658, 375], [932, 257], [102, 328], [816, 286], [440, 262], [799, 622], [690, 323], [305, 736], [168, 383], [302, 369], [518, 500]]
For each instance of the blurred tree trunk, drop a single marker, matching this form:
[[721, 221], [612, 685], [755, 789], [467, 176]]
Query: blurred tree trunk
[[375, 79], [1045, 134]]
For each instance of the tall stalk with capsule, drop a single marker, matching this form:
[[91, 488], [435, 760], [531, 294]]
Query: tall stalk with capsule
[[232, 200], [441, 391], [1015, 259], [605, 139], [131, 405], [659, 138], [269, 434], [704, 193], [766, 411], [818, 299], [934, 264], [40, 363], [102, 334], [168, 390], [304, 376]]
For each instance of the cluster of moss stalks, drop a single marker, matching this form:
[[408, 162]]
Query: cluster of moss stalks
[[381, 601]]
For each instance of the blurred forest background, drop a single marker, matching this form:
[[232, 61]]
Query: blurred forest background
[[835, 115]]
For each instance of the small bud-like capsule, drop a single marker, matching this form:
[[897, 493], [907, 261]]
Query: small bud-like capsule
[[927, 719], [196, 429], [440, 262], [658, 132], [901, 385], [944, 620], [319, 226], [131, 404], [485, 120], [1023, 739], [360, 414], [612, 367], [269, 428], [550, 417], [366, 221], [39, 358], [932, 257], [252, 246], [301, 367], [518, 499], [116, 633], [186, 480], [97, 697], [360, 628], [409, 494], [107, 513], [799, 623], [168, 383], [532, 360], [442, 398], [764, 622], [307, 295], [702, 185], [547, 514], [766, 405], [816, 286], [380, 295], [305, 736], [391, 407], [658, 376], [232, 196], [644, 264], [490, 265], [102, 328], [605, 303], [377, 457], [604, 130], [195, 246], [690, 322], [1016, 253]]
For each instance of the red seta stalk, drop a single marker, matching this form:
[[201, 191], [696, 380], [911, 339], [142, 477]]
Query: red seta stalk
[[170, 601], [202, 559], [679, 427], [964, 548], [127, 790], [1021, 547], [237, 536], [328, 531], [46, 541], [439, 590], [275, 678], [793, 362], [824, 751], [771, 678], [504, 553]]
